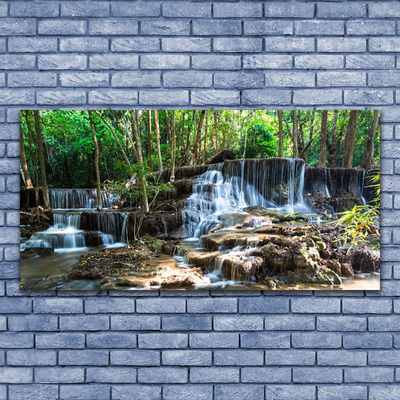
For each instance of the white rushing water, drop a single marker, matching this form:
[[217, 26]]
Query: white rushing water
[[106, 229]]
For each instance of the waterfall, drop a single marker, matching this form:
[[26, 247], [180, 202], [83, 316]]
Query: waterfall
[[274, 183], [78, 198]]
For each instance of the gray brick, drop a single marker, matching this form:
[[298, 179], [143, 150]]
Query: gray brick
[[187, 323], [267, 61], [237, 10], [61, 27], [186, 10], [342, 78], [13, 151], [384, 357], [165, 27], [109, 96], [289, 323], [16, 340], [366, 306], [223, 97], [18, 306], [289, 79], [214, 340], [289, 392], [216, 62], [368, 374], [382, 79], [135, 322], [106, 305], [111, 375], [83, 79], [262, 96], [135, 44], [370, 61], [320, 340], [149, 306], [387, 44], [373, 28], [233, 392], [320, 305], [193, 45], [386, 323], [214, 375], [368, 97], [217, 27], [240, 323], [91, 45], [179, 392], [384, 10], [3, 9], [16, 375], [57, 306], [111, 340], [136, 392], [14, 61], [164, 61], [367, 341], [317, 96], [83, 357], [163, 340], [212, 305], [137, 9], [318, 27], [36, 9], [19, 26], [64, 97], [111, 26], [319, 61], [31, 357], [135, 357], [32, 323], [114, 61], [62, 61], [162, 375], [346, 10], [264, 305], [32, 44], [237, 45], [186, 79], [2, 80], [85, 9], [344, 392], [261, 375], [290, 357], [84, 322], [268, 28], [98, 392], [341, 45], [177, 97], [265, 340], [32, 79], [341, 323], [342, 358], [59, 375], [32, 391], [314, 375], [238, 80], [186, 357], [238, 357], [288, 10]]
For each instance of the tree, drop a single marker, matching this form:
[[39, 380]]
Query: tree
[[41, 159], [280, 122], [149, 149], [197, 141], [157, 123], [332, 157], [24, 164], [323, 141], [173, 146], [349, 140], [295, 135], [369, 149], [96, 161], [139, 154]]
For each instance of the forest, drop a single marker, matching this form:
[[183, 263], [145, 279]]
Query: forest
[[152, 181]]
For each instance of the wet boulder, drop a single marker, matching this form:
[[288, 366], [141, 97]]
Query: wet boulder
[[222, 156], [364, 260]]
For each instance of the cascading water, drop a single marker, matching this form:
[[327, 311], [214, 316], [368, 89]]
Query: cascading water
[[230, 187], [66, 235]]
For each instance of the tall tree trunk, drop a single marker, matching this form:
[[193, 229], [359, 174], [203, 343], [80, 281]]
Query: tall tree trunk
[[332, 157], [96, 161], [295, 135], [116, 139], [139, 153], [160, 166], [181, 141], [369, 149], [41, 159], [349, 140], [280, 121], [24, 164], [34, 158], [149, 149], [215, 137], [198, 138], [205, 139], [323, 141], [173, 147]]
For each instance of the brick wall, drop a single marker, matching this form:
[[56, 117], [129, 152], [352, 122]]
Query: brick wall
[[199, 345]]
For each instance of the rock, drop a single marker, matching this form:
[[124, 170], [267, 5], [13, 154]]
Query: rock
[[321, 245], [203, 260], [238, 269], [181, 281], [120, 265], [168, 248], [222, 156], [363, 260], [35, 252]]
